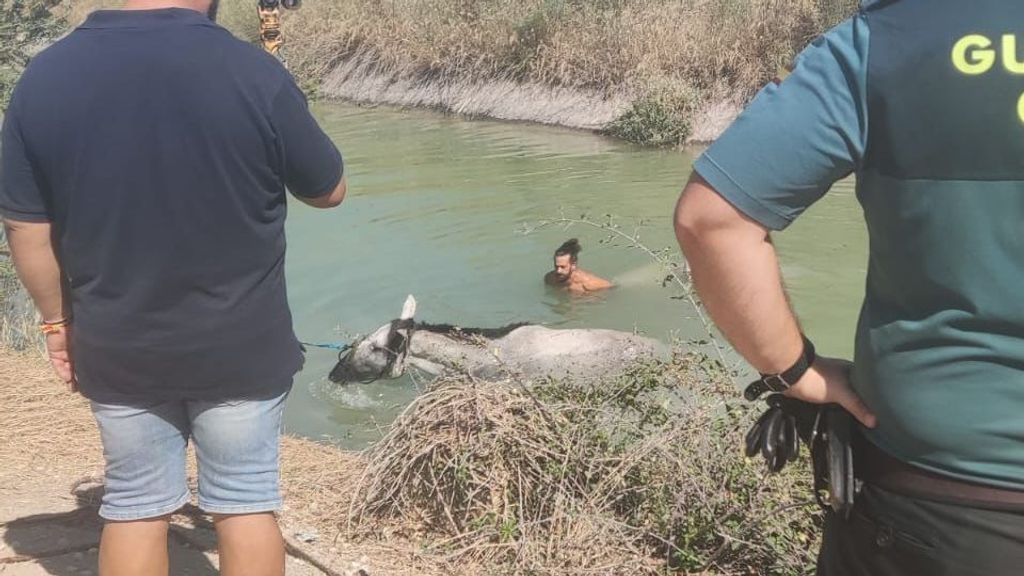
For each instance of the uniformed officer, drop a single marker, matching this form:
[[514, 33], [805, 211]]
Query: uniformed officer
[[924, 101]]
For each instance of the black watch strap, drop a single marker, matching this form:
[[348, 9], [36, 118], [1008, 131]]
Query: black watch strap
[[782, 381]]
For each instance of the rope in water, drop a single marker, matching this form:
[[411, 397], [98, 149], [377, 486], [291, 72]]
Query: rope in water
[[338, 347]]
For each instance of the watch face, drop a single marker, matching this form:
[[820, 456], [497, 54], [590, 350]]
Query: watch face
[[775, 383]]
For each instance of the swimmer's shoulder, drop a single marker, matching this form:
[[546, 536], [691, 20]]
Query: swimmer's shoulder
[[592, 282]]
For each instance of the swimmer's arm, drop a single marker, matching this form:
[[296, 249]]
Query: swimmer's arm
[[549, 279]]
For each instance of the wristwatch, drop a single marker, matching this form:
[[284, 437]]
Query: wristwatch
[[782, 381]]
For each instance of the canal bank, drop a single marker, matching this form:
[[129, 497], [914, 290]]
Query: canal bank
[[474, 478]]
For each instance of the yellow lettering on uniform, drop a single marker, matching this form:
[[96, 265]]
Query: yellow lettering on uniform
[[1020, 108], [973, 54], [1010, 62]]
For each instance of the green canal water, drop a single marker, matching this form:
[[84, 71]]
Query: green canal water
[[436, 209]]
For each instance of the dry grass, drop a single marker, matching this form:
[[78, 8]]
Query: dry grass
[[19, 320], [47, 432], [652, 50], [238, 16], [317, 482], [602, 44]]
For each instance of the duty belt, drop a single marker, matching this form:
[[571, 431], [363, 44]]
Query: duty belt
[[878, 468]]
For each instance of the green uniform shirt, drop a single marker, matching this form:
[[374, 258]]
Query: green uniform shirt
[[924, 101]]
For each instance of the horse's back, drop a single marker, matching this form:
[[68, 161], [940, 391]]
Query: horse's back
[[575, 352]]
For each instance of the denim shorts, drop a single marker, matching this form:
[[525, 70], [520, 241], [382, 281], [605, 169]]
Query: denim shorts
[[236, 446]]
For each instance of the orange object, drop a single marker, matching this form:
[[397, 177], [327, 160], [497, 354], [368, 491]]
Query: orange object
[[54, 327]]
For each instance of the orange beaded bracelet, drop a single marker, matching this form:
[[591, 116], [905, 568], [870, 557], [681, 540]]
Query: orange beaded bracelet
[[54, 327]]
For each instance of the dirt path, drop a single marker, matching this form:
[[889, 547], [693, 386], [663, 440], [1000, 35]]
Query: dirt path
[[51, 483]]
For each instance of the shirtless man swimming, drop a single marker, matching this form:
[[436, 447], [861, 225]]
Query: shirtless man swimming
[[569, 276]]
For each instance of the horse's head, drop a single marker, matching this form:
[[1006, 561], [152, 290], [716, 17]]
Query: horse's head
[[381, 355]]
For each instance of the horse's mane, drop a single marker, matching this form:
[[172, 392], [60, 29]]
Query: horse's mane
[[489, 333]]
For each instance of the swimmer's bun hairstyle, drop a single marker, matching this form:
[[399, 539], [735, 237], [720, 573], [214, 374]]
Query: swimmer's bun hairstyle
[[571, 248]]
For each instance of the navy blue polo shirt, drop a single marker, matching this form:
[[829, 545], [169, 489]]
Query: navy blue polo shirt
[[160, 147]]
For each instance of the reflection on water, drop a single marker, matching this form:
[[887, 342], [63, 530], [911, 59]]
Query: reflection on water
[[435, 210]]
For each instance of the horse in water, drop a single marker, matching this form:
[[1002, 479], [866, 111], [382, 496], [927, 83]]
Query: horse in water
[[528, 350]]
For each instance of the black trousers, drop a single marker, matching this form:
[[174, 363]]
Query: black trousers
[[889, 534]]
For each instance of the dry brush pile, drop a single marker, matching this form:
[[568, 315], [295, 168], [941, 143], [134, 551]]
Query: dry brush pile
[[638, 475]]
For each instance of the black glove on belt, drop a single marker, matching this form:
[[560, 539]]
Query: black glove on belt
[[778, 432], [826, 430]]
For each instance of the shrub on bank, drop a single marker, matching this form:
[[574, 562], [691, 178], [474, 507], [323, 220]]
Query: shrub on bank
[[637, 475], [661, 118]]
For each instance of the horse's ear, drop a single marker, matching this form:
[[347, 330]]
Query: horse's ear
[[408, 309]]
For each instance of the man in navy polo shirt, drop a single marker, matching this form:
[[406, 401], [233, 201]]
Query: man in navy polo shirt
[[924, 101], [145, 162]]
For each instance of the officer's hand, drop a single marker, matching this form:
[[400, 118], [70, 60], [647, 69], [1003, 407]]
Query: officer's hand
[[828, 382]]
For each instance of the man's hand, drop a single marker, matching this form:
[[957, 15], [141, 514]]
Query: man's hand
[[828, 382], [58, 348]]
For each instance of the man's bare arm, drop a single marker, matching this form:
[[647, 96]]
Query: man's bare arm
[[331, 200], [35, 259], [736, 273]]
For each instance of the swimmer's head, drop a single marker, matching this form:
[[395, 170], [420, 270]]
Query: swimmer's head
[[565, 259]]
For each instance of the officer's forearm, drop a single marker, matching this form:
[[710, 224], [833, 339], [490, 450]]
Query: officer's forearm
[[36, 262], [736, 273]]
